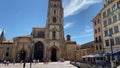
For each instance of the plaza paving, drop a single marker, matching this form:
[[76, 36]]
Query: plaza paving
[[40, 65]]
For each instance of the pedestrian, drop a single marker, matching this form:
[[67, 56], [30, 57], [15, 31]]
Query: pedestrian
[[21, 61], [4, 62], [34, 61], [38, 61], [14, 62], [7, 62]]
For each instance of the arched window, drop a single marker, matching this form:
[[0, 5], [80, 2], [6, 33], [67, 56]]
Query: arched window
[[8, 48], [54, 19], [54, 35], [7, 54], [54, 12], [55, 5], [40, 34], [100, 47]]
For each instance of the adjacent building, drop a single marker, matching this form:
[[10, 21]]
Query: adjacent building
[[98, 37], [84, 50], [109, 19]]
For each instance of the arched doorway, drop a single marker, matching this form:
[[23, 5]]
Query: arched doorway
[[53, 55], [22, 55], [38, 51]]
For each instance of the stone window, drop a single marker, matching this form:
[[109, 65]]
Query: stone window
[[40, 34], [109, 21], [119, 16], [8, 48], [95, 31], [111, 41], [100, 47], [104, 14], [117, 40], [96, 39], [96, 47], [55, 5], [106, 33], [108, 12], [110, 31], [105, 23], [114, 18], [54, 19], [107, 42], [118, 4], [109, 1], [98, 21], [100, 39], [54, 11], [54, 35], [98, 29], [113, 8], [95, 22], [116, 29], [7, 54]]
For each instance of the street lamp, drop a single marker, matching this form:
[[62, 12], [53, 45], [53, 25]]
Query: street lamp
[[75, 55], [111, 46], [112, 62], [31, 55], [31, 58], [23, 56]]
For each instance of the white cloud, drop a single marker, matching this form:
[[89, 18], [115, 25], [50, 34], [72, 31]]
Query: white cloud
[[88, 29], [83, 36], [68, 25], [72, 7], [87, 32]]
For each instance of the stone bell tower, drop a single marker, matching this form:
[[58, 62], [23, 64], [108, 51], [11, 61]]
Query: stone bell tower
[[54, 34]]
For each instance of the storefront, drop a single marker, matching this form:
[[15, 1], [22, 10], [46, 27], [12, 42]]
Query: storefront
[[116, 55], [96, 58]]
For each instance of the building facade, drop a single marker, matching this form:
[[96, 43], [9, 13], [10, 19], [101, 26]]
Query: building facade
[[98, 43], [110, 24], [43, 42], [83, 51]]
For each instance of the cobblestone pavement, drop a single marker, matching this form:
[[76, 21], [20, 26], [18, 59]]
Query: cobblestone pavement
[[40, 65]]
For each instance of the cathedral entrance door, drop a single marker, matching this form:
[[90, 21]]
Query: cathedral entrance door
[[38, 51], [22, 55], [54, 55]]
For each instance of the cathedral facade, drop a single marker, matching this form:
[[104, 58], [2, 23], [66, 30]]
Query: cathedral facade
[[44, 42]]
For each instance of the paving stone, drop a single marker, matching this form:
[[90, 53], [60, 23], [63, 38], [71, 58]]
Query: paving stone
[[40, 65]]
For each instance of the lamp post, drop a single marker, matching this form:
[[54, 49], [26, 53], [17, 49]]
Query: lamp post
[[23, 58], [75, 56], [31, 58], [31, 55], [112, 62]]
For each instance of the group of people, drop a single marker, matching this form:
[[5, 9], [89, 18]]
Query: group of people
[[36, 61], [6, 62], [45, 60]]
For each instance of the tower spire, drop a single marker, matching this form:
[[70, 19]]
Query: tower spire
[[2, 36], [55, 20], [53, 6]]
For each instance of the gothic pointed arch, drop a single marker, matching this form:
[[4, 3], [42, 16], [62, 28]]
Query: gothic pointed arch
[[22, 55], [38, 51], [54, 19], [54, 53]]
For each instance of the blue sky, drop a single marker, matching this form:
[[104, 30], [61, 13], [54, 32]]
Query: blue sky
[[18, 17]]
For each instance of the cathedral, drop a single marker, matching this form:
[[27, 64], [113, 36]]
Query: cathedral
[[43, 42]]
